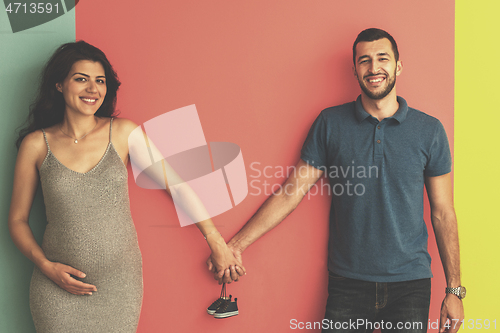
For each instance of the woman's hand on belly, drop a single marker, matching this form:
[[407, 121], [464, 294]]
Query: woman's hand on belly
[[62, 276]]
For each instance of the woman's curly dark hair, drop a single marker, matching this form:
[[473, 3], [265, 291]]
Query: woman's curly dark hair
[[48, 108]]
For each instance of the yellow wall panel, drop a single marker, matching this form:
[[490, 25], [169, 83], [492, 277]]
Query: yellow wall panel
[[477, 159]]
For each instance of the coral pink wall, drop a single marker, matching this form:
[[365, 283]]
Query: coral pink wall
[[259, 73]]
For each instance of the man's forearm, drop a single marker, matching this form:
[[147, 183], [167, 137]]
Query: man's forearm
[[278, 206], [274, 210], [446, 231]]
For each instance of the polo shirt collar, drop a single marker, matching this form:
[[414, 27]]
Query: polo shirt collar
[[399, 116]]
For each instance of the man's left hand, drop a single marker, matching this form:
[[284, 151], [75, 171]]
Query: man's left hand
[[452, 314]]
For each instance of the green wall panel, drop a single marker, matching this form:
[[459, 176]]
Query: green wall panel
[[22, 56]]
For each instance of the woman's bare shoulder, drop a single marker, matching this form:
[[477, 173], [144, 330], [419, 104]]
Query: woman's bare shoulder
[[34, 140], [33, 146], [123, 126]]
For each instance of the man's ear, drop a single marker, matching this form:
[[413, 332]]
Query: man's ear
[[59, 87], [354, 72], [399, 67]]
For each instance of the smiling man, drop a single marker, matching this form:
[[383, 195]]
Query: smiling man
[[378, 262]]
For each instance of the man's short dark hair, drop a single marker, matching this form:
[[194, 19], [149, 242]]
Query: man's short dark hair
[[370, 35]]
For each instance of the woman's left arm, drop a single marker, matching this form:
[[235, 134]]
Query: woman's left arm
[[131, 143]]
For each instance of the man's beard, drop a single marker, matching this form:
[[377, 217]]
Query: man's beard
[[390, 85]]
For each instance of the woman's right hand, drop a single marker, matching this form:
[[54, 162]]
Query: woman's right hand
[[62, 275]]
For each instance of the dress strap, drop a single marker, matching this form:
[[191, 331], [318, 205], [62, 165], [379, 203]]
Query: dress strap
[[45, 137], [110, 126]]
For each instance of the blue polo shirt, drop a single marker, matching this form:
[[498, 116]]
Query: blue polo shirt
[[376, 173]]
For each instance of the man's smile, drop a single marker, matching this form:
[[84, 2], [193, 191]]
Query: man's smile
[[375, 79]]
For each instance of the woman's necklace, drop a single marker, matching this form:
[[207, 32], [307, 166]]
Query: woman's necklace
[[76, 139]]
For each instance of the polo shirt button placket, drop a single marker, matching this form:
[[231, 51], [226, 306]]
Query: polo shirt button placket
[[378, 146]]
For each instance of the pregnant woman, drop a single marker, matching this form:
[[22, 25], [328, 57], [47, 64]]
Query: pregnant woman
[[88, 270]]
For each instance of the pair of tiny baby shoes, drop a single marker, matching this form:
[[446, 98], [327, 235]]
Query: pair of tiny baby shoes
[[223, 307]]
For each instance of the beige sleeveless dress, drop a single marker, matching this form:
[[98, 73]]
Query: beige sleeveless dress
[[89, 228]]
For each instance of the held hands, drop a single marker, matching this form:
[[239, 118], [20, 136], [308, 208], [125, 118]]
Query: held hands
[[224, 262], [452, 309], [61, 275]]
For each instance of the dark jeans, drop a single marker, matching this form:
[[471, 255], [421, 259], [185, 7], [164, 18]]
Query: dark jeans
[[362, 306]]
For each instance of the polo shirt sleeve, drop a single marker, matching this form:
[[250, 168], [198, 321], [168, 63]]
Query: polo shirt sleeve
[[314, 149], [439, 160]]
